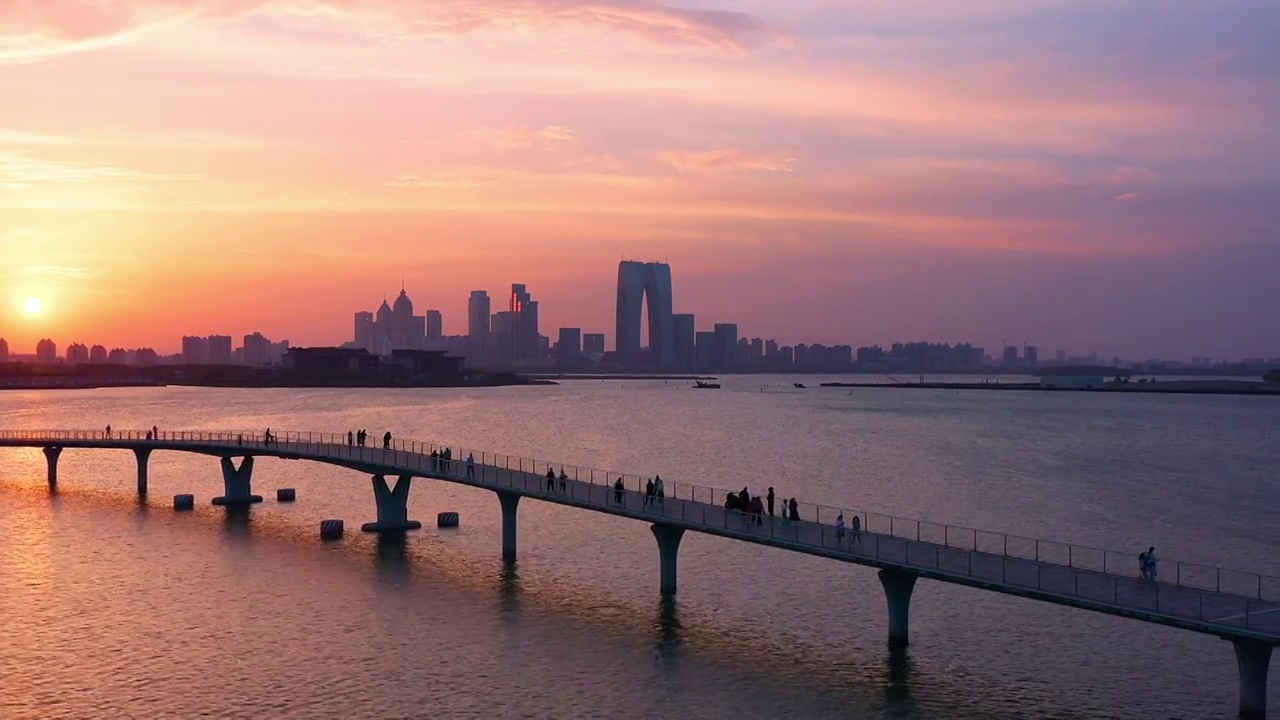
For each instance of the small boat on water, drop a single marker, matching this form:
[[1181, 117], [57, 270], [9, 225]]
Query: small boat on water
[[799, 385], [705, 385]]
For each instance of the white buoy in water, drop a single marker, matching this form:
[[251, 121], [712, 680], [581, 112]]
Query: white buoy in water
[[330, 529]]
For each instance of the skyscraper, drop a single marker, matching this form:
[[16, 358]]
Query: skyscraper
[[4, 351], [644, 285], [569, 349], [97, 354], [478, 309], [684, 338], [478, 315], [435, 326], [366, 331], [726, 346], [524, 334]]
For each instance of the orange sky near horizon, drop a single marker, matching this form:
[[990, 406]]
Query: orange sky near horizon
[[1067, 173]]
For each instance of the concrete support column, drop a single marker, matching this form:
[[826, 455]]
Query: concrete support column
[[51, 456], [510, 501], [236, 483], [668, 537], [143, 455], [1254, 659], [897, 592], [393, 506]]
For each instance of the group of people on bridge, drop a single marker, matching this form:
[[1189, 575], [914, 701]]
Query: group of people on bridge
[[360, 438]]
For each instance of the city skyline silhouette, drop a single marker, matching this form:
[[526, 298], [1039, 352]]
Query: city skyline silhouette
[[1054, 173]]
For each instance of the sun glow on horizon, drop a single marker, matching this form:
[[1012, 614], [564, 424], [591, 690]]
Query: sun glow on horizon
[[33, 306]]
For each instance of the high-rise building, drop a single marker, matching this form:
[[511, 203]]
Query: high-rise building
[[478, 315], [569, 348], [146, 357], [593, 343], [46, 351], [1010, 356], [77, 353], [683, 340], [219, 348], [4, 351], [97, 354], [366, 331], [726, 346], [705, 350], [118, 356], [1031, 356], [391, 328], [642, 285], [257, 348], [195, 350], [524, 312], [435, 326]]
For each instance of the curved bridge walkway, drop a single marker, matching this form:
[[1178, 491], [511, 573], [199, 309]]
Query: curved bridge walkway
[[1241, 607]]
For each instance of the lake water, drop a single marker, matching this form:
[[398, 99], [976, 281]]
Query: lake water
[[109, 608]]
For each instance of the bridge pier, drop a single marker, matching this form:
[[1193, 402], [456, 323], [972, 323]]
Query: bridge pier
[[51, 457], [1254, 660], [236, 483], [143, 455], [510, 501], [898, 586], [668, 537], [393, 506]]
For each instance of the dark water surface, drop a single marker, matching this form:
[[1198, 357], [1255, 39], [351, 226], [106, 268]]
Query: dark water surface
[[109, 608]]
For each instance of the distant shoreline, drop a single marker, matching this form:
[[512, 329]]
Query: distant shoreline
[[71, 384], [1171, 387]]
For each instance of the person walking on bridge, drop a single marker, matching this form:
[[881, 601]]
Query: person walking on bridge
[[660, 491], [769, 500], [551, 480], [471, 466], [108, 432], [617, 491], [386, 440], [564, 481], [351, 438]]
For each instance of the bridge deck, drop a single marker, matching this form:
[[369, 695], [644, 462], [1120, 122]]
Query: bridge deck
[[1230, 614]]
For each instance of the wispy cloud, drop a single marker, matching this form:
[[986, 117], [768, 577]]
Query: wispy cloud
[[438, 180], [725, 161], [517, 137], [56, 271], [34, 29], [18, 170]]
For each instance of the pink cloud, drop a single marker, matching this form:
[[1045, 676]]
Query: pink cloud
[[725, 161], [31, 29]]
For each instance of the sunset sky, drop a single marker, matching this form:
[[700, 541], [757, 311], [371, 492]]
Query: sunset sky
[[1096, 175]]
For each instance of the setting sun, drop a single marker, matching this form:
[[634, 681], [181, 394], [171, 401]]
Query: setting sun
[[33, 306]]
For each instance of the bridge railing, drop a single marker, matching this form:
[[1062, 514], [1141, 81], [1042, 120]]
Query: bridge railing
[[494, 467]]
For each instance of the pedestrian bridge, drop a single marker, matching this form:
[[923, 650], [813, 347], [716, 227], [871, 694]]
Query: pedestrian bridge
[[1241, 607]]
